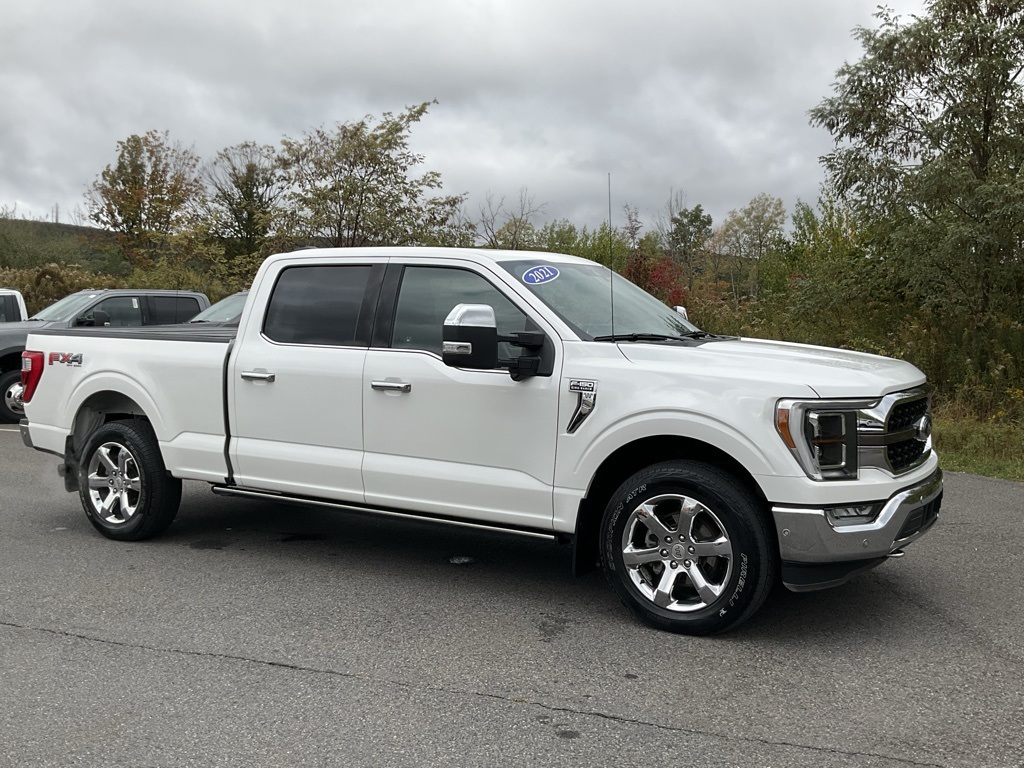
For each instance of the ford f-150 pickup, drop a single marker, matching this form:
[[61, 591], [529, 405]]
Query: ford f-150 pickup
[[533, 393]]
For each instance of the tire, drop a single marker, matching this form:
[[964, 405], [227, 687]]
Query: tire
[[125, 488], [9, 412], [707, 580]]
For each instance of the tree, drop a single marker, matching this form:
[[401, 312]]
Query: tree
[[511, 230], [245, 189], [747, 236], [354, 185], [929, 149], [688, 239], [147, 196]]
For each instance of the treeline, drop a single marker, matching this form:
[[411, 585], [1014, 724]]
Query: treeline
[[915, 249]]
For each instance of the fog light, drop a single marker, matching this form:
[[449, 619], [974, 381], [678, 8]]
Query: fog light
[[852, 514]]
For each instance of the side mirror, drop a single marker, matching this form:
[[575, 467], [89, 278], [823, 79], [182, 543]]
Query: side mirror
[[682, 311], [470, 337], [100, 318]]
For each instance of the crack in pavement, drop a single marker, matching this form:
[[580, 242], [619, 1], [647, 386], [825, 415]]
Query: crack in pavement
[[508, 699]]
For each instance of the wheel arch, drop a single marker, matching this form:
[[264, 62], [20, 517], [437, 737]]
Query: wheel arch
[[631, 458]]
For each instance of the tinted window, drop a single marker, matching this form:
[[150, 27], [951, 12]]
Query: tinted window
[[6, 309], [123, 310], [428, 294], [317, 305], [172, 309]]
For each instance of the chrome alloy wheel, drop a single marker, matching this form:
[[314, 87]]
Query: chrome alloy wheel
[[12, 398], [115, 485], [677, 553]]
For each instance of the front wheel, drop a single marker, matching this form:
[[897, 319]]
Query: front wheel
[[125, 488], [687, 548]]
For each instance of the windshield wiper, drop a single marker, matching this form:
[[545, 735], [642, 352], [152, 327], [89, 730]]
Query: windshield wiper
[[654, 336], [639, 337]]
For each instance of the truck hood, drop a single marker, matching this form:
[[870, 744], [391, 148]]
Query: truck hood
[[831, 373]]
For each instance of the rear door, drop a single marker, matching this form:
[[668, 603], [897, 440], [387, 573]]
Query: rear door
[[295, 381]]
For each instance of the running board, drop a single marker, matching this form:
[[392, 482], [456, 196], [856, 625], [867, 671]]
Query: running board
[[225, 490]]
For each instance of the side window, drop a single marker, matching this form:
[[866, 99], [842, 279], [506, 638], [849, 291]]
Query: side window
[[172, 309], [122, 310], [5, 304], [317, 305], [428, 294]]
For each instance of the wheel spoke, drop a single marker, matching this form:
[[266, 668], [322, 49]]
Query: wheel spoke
[[133, 484], [107, 503], [95, 481], [123, 458], [708, 592], [127, 510], [687, 514], [645, 513], [663, 593], [103, 454], [634, 557], [720, 547]]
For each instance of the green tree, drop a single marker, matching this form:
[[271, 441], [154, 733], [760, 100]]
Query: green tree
[[243, 204], [355, 185], [147, 196], [688, 237], [929, 150], [747, 236]]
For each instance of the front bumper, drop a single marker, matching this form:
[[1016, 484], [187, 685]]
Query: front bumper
[[816, 554]]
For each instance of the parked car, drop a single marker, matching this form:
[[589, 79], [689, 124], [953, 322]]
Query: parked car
[[88, 308], [12, 306], [225, 312]]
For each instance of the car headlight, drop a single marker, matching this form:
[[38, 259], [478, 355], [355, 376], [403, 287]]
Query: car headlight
[[821, 435]]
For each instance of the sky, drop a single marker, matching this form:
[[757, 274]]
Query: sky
[[704, 101]]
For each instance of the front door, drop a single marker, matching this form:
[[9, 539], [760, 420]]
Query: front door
[[464, 443]]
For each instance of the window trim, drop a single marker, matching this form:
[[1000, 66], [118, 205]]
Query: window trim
[[387, 309], [367, 307]]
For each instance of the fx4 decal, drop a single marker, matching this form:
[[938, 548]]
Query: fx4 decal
[[73, 359]]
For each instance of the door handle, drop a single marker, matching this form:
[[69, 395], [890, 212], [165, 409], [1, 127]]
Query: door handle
[[391, 386], [258, 376]]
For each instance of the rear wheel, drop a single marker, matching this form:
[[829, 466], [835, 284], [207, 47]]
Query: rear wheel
[[687, 548], [11, 409], [125, 488]]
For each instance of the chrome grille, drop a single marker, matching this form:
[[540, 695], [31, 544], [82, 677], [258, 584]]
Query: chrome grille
[[895, 434]]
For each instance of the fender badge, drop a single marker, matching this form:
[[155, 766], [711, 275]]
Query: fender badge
[[582, 385]]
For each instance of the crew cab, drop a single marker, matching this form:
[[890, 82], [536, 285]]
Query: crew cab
[[533, 393], [88, 308]]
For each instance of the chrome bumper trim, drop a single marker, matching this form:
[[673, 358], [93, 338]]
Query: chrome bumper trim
[[806, 536]]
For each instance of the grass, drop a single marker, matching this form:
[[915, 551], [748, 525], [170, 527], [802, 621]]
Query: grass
[[992, 449]]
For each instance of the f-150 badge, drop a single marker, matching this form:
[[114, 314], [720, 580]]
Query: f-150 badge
[[586, 403]]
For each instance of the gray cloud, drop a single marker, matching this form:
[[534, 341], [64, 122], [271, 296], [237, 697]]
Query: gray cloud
[[706, 98]]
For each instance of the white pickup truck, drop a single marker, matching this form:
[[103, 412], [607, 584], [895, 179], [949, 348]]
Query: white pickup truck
[[532, 393]]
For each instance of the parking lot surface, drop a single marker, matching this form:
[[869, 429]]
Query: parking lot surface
[[263, 634]]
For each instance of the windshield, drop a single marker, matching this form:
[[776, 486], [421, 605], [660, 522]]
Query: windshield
[[65, 309], [581, 295], [224, 311]]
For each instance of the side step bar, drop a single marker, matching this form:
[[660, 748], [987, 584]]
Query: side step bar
[[230, 490]]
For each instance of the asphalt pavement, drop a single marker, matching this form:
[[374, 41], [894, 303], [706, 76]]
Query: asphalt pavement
[[258, 634]]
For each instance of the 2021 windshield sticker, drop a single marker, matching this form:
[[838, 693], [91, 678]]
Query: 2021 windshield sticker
[[540, 274]]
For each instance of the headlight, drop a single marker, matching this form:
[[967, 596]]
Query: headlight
[[821, 435]]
